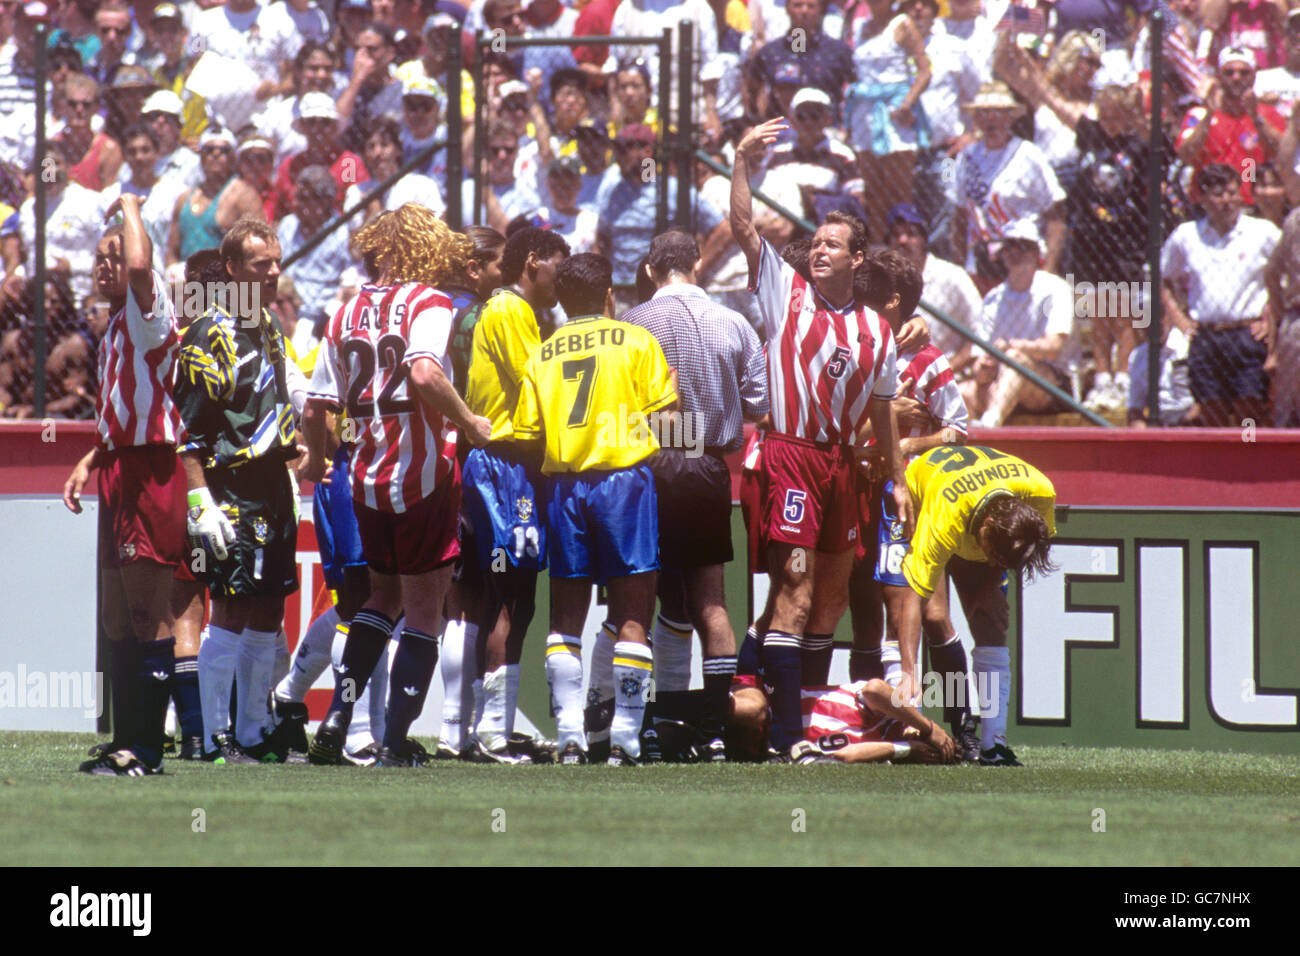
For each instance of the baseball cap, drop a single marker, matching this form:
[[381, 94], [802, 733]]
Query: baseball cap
[[512, 88], [440, 21], [1235, 54], [422, 86], [35, 11], [254, 142], [165, 11], [592, 126], [1025, 230], [361, 5], [163, 101], [905, 212], [565, 165], [217, 136], [130, 75], [636, 133], [810, 95], [317, 105]]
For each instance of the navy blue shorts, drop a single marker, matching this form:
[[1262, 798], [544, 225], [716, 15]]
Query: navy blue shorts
[[891, 545], [604, 524], [337, 534], [504, 500], [1227, 364]]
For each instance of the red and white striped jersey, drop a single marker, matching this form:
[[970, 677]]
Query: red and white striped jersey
[[366, 354], [934, 387], [137, 364], [824, 365], [837, 710]]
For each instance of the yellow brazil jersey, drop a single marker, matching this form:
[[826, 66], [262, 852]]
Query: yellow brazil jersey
[[587, 391], [949, 485], [504, 337]]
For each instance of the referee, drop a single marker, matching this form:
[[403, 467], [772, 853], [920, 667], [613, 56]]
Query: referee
[[721, 382]]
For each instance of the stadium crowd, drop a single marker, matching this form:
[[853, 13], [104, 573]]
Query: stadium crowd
[[990, 159]]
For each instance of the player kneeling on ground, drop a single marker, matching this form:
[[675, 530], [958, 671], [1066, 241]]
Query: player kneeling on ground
[[585, 393], [383, 360]]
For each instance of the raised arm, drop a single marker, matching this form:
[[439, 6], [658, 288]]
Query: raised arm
[[748, 152], [136, 249]]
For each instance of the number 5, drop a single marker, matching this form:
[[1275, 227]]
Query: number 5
[[793, 511], [836, 367]]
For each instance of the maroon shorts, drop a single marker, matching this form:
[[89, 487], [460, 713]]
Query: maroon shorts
[[751, 507], [420, 539], [867, 500], [141, 506], [808, 494]]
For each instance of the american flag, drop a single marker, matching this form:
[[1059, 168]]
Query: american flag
[[1022, 18]]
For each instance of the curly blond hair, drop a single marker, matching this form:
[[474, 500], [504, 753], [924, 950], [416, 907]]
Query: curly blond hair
[[411, 244], [1072, 47]]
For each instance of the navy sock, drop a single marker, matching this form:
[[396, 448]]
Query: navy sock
[[782, 671], [866, 665], [408, 682], [718, 672], [815, 658], [185, 694], [153, 677], [949, 660], [367, 638], [750, 658], [122, 658]]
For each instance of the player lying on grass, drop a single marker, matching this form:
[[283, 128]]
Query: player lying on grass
[[861, 722]]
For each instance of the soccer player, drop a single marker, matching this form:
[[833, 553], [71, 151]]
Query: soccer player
[[859, 722], [384, 361], [141, 491], [234, 396], [722, 383], [980, 514], [931, 412], [504, 494], [831, 367], [585, 394]]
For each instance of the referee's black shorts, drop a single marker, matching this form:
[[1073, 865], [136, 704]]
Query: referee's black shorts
[[694, 509]]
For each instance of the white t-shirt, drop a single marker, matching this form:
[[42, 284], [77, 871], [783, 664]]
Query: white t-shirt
[[310, 24], [252, 38], [998, 187], [413, 187], [1222, 275], [1174, 389], [1047, 308], [954, 80], [732, 271], [74, 223], [948, 287]]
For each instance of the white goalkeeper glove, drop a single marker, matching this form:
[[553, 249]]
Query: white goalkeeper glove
[[209, 525]]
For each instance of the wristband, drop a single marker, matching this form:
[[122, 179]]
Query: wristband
[[201, 498], [902, 751]]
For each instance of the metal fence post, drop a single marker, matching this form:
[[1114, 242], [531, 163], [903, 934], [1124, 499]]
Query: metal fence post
[[480, 125], [1155, 216], [685, 130], [665, 85], [455, 133], [38, 319]]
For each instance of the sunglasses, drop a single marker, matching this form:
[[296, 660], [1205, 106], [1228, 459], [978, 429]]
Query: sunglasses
[[419, 104], [503, 150], [214, 150], [808, 117], [81, 104], [114, 31], [515, 106]]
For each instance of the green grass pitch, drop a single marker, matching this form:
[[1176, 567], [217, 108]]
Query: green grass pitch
[[1160, 808]]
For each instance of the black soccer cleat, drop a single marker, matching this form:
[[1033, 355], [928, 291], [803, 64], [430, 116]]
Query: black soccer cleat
[[104, 749], [191, 748], [528, 749], [227, 751], [367, 756], [327, 747], [119, 763], [967, 735], [406, 753], [999, 755], [618, 757], [650, 749], [293, 720], [572, 755], [710, 751]]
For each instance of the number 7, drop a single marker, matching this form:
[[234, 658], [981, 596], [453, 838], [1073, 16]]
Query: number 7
[[584, 372]]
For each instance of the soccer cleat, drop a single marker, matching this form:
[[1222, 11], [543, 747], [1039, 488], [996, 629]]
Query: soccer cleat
[[481, 754], [531, 749], [367, 756], [967, 735], [327, 746], [778, 756], [446, 751], [227, 751], [999, 755], [806, 752], [104, 749], [573, 755], [292, 728], [191, 748], [710, 751], [618, 757], [119, 763], [407, 753], [650, 750]]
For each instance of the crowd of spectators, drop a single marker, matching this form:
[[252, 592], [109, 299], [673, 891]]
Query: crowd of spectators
[[1003, 147]]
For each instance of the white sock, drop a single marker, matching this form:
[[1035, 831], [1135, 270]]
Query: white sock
[[373, 708], [512, 696], [1101, 380], [564, 675], [491, 729], [280, 669], [217, 654], [633, 664], [310, 658], [892, 658], [478, 706], [671, 641], [1121, 381], [457, 647], [253, 666], [992, 669], [601, 688]]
